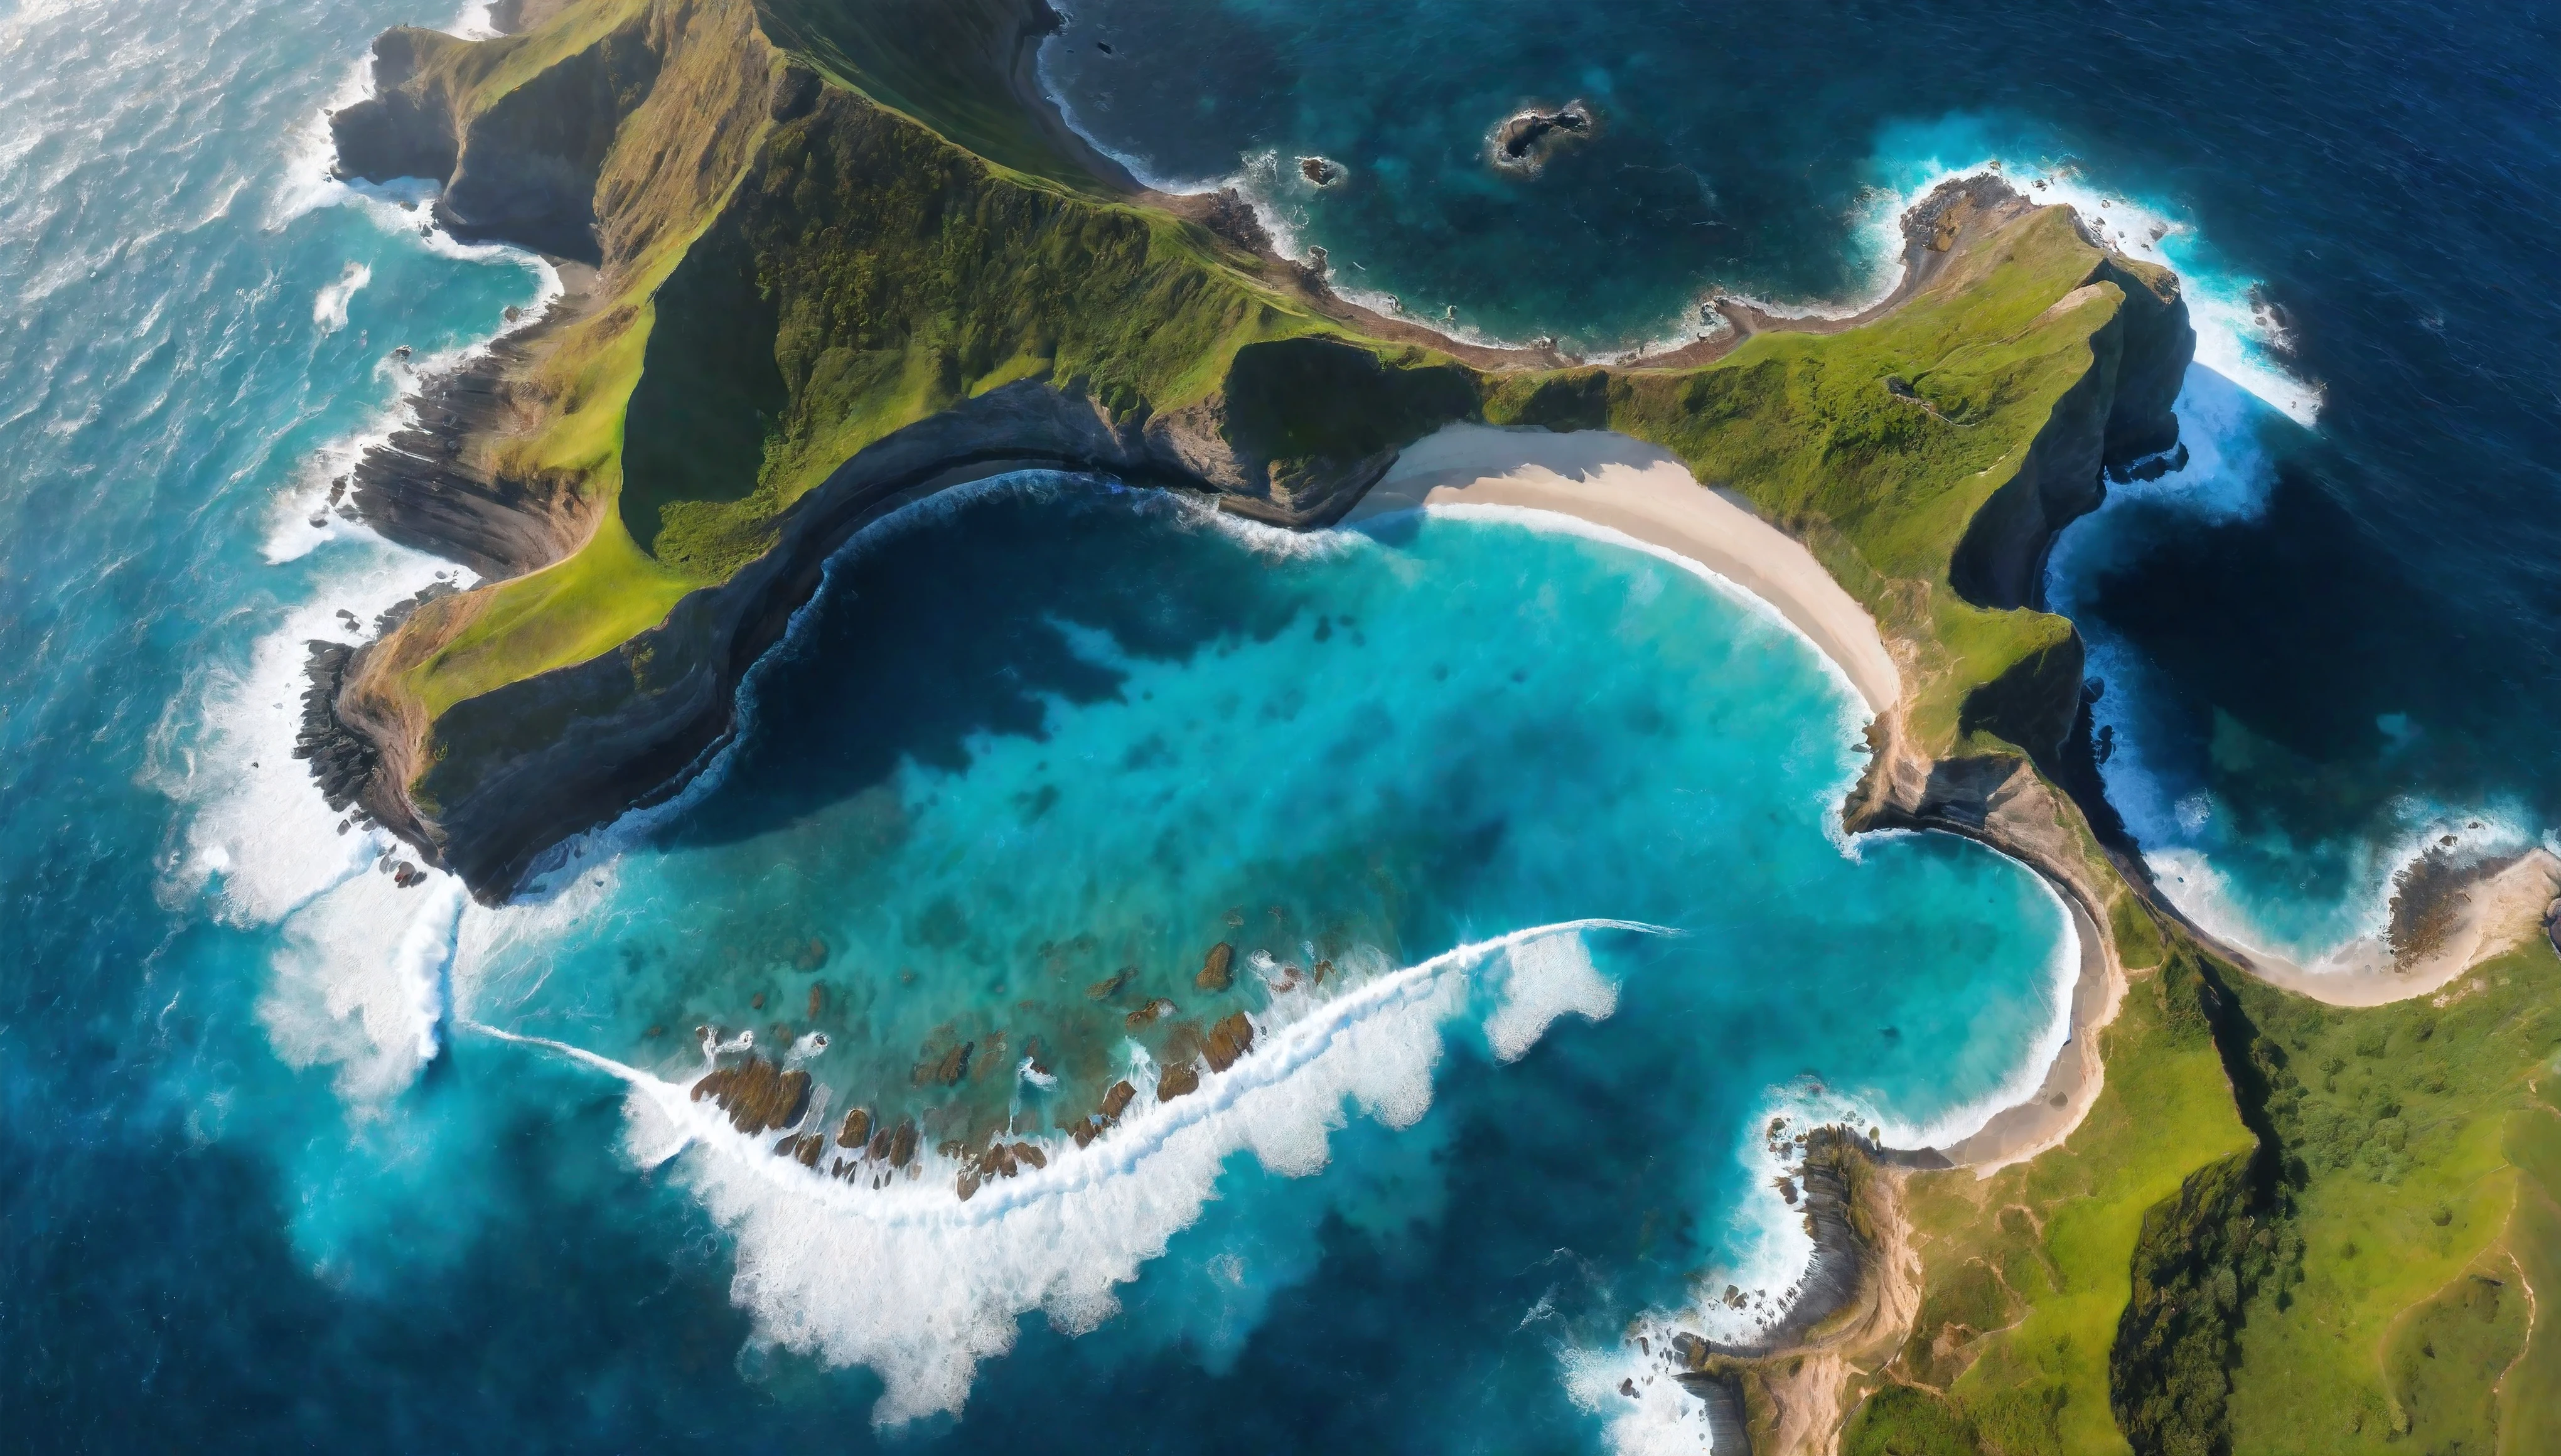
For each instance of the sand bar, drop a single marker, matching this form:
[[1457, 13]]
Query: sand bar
[[1644, 492]]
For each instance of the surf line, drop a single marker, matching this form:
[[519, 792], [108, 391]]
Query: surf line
[[1291, 1048]]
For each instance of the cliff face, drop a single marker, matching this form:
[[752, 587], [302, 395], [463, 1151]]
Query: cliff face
[[524, 767], [519, 159], [811, 309], [2118, 413]]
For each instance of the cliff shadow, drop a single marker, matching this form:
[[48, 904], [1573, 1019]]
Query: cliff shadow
[[932, 631]]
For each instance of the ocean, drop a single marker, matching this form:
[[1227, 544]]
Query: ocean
[[291, 1156]]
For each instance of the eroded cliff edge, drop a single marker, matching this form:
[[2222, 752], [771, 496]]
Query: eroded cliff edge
[[813, 306]]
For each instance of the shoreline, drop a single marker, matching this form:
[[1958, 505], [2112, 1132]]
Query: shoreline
[[1642, 491], [1934, 220], [1623, 485], [2499, 906]]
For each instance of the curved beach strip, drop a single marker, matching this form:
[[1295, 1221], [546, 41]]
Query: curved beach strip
[[1610, 480], [1644, 491], [2500, 912]]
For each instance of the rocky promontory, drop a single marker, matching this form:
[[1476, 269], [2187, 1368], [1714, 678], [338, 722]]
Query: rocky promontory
[[1183, 368]]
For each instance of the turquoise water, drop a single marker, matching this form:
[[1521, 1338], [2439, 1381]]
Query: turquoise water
[[291, 1157], [2372, 464], [1507, 784]]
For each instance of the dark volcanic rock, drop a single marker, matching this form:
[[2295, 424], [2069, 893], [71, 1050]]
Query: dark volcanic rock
[[1231, 1039], [757, 1094], [1227, 214], [1322, 171], [1217, 971], [426, 489], [1525, 141]]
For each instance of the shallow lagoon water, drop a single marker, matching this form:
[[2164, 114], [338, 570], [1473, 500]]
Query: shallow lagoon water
[[268, 1182], [1554, 813]]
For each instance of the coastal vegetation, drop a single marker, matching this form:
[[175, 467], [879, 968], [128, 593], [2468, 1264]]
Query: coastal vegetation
[[821, 225], [844, 260], [2336, 1248]]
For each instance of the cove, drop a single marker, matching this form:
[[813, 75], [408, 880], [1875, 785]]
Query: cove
[[1557, 816]]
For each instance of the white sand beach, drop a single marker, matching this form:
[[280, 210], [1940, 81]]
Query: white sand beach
[[1644, 492]]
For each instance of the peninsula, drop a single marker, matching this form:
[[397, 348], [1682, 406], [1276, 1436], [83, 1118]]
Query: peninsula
[[828, 257]]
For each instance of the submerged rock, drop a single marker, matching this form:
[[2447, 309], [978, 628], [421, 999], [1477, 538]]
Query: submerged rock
[[1148, 1012], [946, 1070], [1217, 968], [1109, 986], [1322, 171]]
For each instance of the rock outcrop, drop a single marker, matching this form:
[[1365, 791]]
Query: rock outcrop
[[1524, 141], [2118, 413], [758, 1095], [1217, 971]]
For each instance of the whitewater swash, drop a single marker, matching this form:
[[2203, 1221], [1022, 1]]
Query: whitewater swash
[[1984, 565]]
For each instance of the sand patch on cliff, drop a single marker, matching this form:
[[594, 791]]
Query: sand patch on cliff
[[1641, 491]]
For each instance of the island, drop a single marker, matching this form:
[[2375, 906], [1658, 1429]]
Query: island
[[823, 258]]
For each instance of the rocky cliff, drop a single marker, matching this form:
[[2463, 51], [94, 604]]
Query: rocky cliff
[[813, 307]]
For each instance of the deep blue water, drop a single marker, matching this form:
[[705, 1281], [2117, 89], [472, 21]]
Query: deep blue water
[[271, 1170]]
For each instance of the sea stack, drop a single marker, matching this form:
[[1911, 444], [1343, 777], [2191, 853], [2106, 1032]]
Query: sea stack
[[1524, 142]]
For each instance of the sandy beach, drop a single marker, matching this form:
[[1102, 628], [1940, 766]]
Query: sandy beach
[[2497, 914], [1643, 492]]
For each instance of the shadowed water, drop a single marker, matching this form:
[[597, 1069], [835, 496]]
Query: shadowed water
[[246, 1209]]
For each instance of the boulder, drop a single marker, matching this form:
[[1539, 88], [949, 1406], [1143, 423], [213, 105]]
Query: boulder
[[1177, 1081], [1148, 1013], [1231, 1039], [901, 1145], [1217, 968], [857, 1129], [757, 1094], [1116, 1100]]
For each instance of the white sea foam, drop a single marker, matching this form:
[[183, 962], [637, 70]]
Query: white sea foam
[[920, 1287], [1644, 1410], [329, 308]]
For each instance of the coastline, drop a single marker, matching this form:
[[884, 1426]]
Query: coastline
[[1625, 485], [1642, 491], [2495, 910]]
